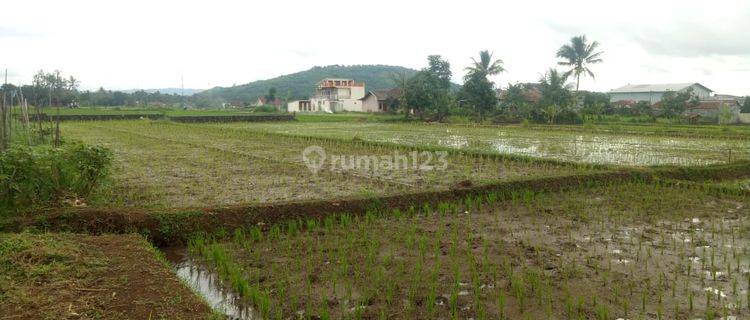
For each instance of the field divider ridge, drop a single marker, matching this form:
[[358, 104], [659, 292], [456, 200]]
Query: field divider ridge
[[173, 226]]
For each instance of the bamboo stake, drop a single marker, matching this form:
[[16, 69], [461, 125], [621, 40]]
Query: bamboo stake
[[25, 114]]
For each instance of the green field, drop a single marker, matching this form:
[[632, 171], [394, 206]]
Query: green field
[[143, 111], [165, 164], [625, 251], [631, 145], [522, 222]]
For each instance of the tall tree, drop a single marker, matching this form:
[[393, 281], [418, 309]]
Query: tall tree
[[554, 90], [485, 66], [746, 105], [427, 92], [271, 96], [478, 91], [441, 69], [578, 55], [514, 99], [674, 103]]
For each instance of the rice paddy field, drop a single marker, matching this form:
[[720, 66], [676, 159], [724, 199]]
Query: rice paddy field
[[492, 222], [166, 164], [625, 251], [631, 145]]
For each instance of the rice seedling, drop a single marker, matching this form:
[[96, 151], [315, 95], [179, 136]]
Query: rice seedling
[[435, 264]]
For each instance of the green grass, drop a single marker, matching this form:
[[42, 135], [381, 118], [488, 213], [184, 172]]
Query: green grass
[[61, 276], [742, 184]]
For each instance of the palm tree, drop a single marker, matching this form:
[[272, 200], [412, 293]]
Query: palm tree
[[554, 89], [485, 66], [578, 55]]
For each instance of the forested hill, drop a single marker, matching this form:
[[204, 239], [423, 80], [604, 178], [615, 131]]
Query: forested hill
[[302, 84]]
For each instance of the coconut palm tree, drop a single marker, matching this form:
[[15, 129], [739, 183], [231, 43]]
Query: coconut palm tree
[[554, 89], [578, 55], [485, 66]]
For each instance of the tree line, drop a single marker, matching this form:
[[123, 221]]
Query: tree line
[[555, 98], [427, 94], [52, 89]]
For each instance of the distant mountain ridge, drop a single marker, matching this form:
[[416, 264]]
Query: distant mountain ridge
[[301, 85], [177, 91]]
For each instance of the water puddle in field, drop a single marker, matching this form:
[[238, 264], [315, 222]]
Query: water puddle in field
[[207, 284]]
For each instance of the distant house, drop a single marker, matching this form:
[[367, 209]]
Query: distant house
[[332, 95], [624, 104], [532, 92], [726, 98], [262, 101], [653, 93], [299, 106], [713, 109], [380, 100]]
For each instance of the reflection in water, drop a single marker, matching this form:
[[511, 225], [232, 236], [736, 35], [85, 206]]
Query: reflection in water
[[600, 149], [207, 283], [455, 141]]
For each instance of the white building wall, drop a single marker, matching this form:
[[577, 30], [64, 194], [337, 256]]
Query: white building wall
[[353, 105], [338, 99], [370, 104], [293, 106], [651, 97], [357, 92], [701, 92], [654, 97]]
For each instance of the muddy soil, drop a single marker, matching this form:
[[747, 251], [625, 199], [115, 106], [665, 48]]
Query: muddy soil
[[71, 276]]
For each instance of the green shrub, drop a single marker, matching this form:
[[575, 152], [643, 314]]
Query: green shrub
[[458, 119], [42, 175], [266, 108]]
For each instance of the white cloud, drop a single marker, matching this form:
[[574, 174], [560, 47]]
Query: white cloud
[[149, 44]]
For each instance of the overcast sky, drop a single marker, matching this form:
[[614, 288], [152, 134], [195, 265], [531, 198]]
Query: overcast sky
[[150, 44]]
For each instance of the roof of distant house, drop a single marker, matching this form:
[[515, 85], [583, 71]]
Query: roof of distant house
[[275, 102], [624, 103], [640, 88], [531, 91], [386, 94], [713, 104], [723, 97]]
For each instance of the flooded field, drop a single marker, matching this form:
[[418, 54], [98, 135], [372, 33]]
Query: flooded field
[[206, 283], [601, 253], [600, 146]]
